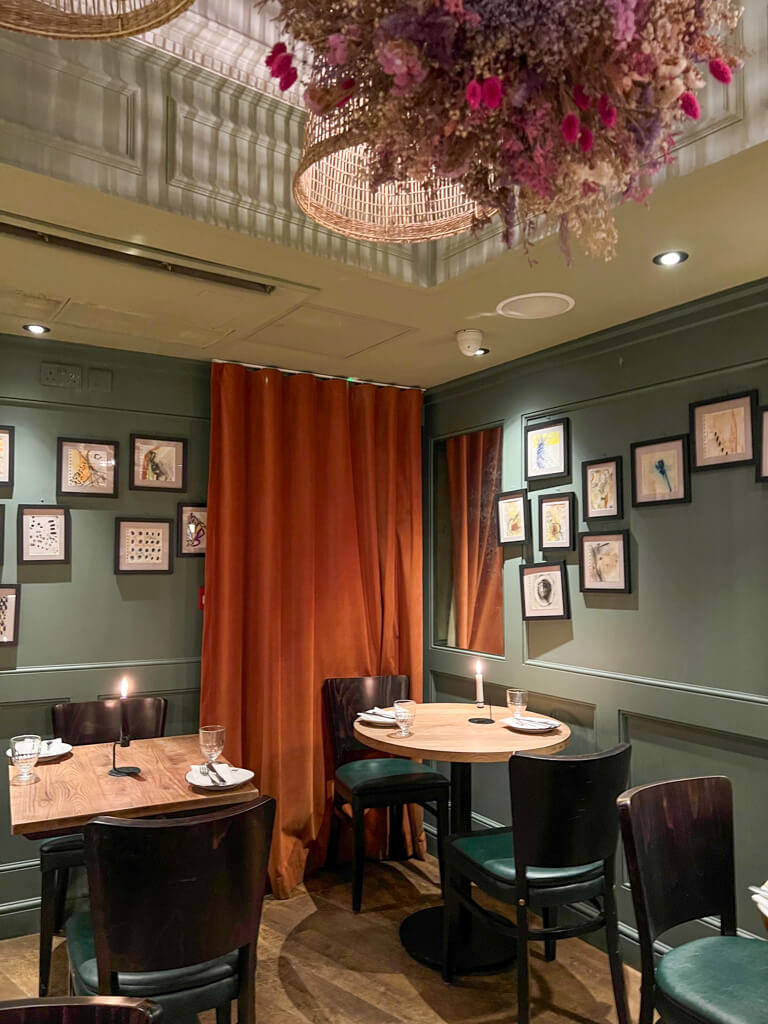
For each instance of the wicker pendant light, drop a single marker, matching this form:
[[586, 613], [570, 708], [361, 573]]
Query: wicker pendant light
[[333, 187], [88, 19]]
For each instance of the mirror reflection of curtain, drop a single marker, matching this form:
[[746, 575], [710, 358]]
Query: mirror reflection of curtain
[[474, 478]]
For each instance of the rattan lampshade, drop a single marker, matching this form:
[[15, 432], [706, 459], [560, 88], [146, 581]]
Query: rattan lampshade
[[88, 19], [333, 187]]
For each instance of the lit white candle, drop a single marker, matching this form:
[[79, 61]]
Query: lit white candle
[[123, 695], [479, 699]]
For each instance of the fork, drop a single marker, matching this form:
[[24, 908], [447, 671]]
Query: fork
[[204, 771]]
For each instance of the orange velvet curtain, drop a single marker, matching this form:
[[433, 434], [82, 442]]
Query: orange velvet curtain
[[313, 569], [474, 478]]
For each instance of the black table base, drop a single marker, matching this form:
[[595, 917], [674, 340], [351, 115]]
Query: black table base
[[482, 949]]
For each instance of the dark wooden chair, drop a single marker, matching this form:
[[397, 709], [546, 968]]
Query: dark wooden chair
[[566, 831], [678, 841], [362, 781], [78, 723], [80, 1010], [175, 910]]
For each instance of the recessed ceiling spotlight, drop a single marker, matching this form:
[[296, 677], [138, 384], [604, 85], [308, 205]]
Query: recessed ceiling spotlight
[[482, 352], [671, 258], [36, 329], [535, 305]]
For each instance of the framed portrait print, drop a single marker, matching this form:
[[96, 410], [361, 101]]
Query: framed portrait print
[[513, 514], [191, 530], [158, 463], [544, 591], [557, 521], [6, 456], [143, 545], [44, 535], [660, 471], [547, 450], [722, 431], [87, 468], [602, 488], [761, 461], [10, 606], [604, 562]]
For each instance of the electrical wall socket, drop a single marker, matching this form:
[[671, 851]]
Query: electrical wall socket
[[61, 375]]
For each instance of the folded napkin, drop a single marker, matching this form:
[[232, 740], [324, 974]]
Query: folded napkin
[[382, 713], [226, 771], [47, 744]]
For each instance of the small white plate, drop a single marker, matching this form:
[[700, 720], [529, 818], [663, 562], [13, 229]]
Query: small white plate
[[234, 777], [50, 750], [369, 719], [538, 724]]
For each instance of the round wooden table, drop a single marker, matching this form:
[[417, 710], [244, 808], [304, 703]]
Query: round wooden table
[[443, 732]]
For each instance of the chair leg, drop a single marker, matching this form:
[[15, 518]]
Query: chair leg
[[450, 915], [358, 867], [442, 832], [224, 1013], [523, 996], [246, 996], [646, 1004], [333, 840], [614, 956], [549, 920], [47, 919], [62, 882]]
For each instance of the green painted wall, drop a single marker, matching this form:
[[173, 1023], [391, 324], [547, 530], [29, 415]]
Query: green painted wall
[[680, 666], [83, 627]]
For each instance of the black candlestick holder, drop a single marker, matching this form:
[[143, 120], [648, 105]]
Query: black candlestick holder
[[131, 769], [483, 721]]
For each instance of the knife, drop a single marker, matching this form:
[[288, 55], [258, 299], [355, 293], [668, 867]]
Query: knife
[[212, 769]]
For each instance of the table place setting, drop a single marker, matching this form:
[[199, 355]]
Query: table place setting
[[212, 774], [517, 702], [377, 716], [760, 898], [49, 749]]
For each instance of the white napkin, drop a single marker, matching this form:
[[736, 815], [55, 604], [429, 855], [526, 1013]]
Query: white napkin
[[382, 713], [48, 745], [761, 901], [226, 771]]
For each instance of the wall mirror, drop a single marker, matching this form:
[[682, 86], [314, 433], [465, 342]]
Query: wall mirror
[[468, 562]]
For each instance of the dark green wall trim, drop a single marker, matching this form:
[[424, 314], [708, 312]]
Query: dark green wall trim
[[86, 666]]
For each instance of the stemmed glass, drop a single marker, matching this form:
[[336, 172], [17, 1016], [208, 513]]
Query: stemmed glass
[[212, 741], [517, 701], [405, 712], [25, 751]]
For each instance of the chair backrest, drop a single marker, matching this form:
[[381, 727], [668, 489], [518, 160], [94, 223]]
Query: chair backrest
[[678, 841], [564, 808], [176, 892], [79, 1010], [345, 697], [98, 721]]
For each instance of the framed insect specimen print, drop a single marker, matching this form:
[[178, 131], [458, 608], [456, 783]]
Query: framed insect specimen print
[[544, 591], [602, 488], [6, 456], [191, 530], [44, 535], [86, 468], [10, 602], [722, 431], [604, 562], [143, 546], [158, 463], [514, 517], [660, 471], [547, 450], [556, 522]]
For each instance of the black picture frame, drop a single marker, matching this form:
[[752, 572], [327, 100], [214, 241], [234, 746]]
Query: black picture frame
[[545, 499], [592, 535], [522, 495], [158, 486], [752, 397], [618, 463], [7, 481], [761, 441], [565, 424], [121, 521], [79, 492], [15, 588], [2, 534], [545, 567], [636, 446], [182, 505], [24, 511]]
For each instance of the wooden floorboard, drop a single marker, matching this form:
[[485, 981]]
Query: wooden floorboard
[[320, 963]]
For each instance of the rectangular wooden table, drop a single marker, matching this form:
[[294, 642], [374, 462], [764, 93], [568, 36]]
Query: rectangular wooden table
[[77, 787]]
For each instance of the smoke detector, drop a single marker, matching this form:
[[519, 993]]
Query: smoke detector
[[535, 305], [470, 342]]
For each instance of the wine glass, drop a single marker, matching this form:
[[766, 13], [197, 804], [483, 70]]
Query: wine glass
[[211, 741], [25, 751], [517, 701], [405, 712]]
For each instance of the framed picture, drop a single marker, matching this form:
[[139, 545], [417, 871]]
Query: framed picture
[[513, 514], [158, 463], [602, 488], [604, 562], [547, 450], [557, 522], [762, 444], [2, 534], [722, 431], [191, 530], [660, 471], [143, 545], [44, 535], [87, 468], [544, 591], [6, 456], [10, 606]]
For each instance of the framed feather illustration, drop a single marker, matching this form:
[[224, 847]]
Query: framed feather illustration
[[86, 468]]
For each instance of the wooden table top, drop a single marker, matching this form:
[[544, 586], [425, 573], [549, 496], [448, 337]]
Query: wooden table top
[[76, 787], [443, 732]]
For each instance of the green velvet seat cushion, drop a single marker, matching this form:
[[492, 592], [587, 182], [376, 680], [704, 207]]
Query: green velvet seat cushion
[[492, 852], [376, 773], [186, 990], [722, 979]]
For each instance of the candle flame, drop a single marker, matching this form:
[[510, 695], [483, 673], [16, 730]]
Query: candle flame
[[478, 667], [123, 689]]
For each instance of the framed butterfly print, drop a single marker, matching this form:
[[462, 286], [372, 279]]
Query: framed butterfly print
[[86, 468], [191, 530]]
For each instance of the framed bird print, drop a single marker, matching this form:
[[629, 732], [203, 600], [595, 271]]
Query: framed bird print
[[86, 468], [556, 522], [6, 456], [604, 562], [547, 450], [191, 530], [514, 517], [602, 488], [722, 431], [44, 535], [158, 463], [660, 471]]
